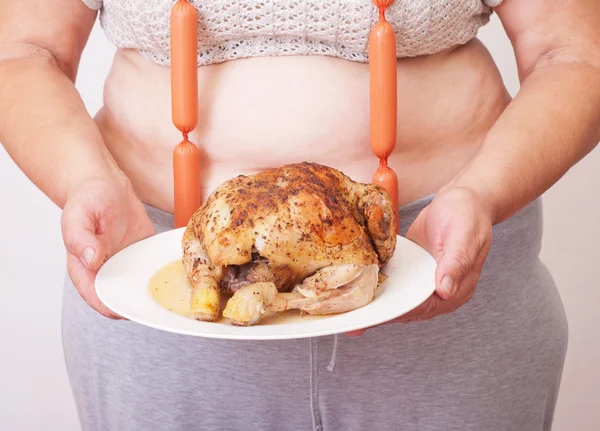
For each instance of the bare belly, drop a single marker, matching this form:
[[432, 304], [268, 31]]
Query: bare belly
[[264, 112]]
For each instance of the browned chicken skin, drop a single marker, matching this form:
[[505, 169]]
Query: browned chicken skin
[[281, 226]]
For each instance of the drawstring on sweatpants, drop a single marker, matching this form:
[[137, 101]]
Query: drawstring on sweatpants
[[331, 365]]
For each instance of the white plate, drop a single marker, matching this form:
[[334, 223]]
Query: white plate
[[122, 285]]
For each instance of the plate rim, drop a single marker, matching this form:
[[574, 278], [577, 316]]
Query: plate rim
[[237, 334]]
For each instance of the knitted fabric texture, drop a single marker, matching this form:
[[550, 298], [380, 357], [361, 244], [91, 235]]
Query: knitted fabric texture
[[230, 29]]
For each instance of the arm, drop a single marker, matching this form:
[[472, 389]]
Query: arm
[[47, 131], [44, 125], [554, 120], [552, 123]]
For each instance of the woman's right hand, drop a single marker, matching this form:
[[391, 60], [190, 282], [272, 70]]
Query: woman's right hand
[[100, 218]]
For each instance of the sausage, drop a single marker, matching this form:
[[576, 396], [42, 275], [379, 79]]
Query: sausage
[[184, 72], [383, 99], [385, 177], [186, 176], [382, 69], [184, 104]]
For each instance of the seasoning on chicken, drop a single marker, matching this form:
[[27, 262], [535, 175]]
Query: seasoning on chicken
[[302, 236]]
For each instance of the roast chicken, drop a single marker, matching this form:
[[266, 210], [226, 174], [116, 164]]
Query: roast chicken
[[303, 236]]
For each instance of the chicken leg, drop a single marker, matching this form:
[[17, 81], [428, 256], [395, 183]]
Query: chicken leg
[[205, 303], [334, 289], [382, 224]]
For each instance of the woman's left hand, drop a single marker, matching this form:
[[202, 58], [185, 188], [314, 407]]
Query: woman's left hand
[[456, 229]]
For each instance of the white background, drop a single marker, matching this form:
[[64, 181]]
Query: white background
[[34, 391]]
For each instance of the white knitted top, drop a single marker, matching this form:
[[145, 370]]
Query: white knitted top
[[232, 29]]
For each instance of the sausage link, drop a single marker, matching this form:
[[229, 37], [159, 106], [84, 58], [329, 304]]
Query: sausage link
[[382, 65], [186, 176], [184, 72]]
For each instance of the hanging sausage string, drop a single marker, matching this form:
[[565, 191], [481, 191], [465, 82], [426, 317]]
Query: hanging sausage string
[[184, 106], [383, 102]]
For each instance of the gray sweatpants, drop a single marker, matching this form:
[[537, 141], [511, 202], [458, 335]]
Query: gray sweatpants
[[493, 365]]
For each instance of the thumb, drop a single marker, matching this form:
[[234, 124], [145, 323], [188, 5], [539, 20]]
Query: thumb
[[454, 258], [457, 260], [78, 225]]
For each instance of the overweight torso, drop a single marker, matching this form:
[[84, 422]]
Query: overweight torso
[[264, 112]]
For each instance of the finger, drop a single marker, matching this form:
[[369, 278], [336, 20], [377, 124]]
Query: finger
[[465, 292], [83, 279], [464, 256], [78, 226], [435, 305], [460, 250]]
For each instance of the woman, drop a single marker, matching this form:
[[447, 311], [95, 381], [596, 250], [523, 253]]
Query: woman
[[285, 82]]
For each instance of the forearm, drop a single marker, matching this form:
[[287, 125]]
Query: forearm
[[46, 129], [552, 123]]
